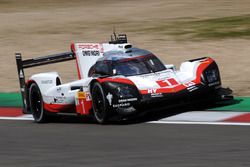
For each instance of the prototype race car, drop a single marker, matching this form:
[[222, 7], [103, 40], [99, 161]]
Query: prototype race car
[[115, 78]]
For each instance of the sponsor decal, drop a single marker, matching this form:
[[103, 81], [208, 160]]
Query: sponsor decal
[[59, 89], [21, 74], [81, 95], [172, 81], [152, 91], [163, 83], [127, 100], [46, 82], [88, 96], [91, 53], [90, 49], [190, 86], [89, 46], [159, 75], [109, 98], [167, 82], [214, 83], [121, 105], [156, 95], [59, 100]]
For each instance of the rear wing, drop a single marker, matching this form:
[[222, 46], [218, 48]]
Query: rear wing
[[28, 63]]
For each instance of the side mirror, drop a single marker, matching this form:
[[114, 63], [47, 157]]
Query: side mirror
[[101, 72], [170, 66]]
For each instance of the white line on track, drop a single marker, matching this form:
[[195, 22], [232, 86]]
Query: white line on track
[[22, 118], [200, 123], [203, 116], [169, 120]]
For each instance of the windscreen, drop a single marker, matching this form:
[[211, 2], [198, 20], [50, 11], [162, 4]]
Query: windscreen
[[138, 66]]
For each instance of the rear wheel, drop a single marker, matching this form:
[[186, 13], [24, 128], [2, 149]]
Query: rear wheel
[[99, 103], [36, 104]]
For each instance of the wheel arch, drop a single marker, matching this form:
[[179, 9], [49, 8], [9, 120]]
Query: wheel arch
[[46, 80], [91, 84], [31, 81]]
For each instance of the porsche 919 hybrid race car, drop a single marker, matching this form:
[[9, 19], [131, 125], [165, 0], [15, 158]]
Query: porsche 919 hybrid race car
[[115, 78]]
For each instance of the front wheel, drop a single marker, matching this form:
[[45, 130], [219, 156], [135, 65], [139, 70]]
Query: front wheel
[[99, 103], [36, 104]]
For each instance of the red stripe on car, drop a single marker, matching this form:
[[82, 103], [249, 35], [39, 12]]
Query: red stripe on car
[[58, 107], [119, 80], [77, 67], [204, 64], [162, 83], [172, 81]]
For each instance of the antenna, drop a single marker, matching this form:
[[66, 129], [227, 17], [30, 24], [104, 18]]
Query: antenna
[[114, 33], [120, 39]]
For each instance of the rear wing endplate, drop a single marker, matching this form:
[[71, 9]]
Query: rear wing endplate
[[28, 63]]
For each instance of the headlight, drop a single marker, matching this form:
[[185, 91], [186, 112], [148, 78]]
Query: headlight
[[122, 90], [212, 75]]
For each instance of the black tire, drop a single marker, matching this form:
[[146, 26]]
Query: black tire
[[99, 103], [36, 104]]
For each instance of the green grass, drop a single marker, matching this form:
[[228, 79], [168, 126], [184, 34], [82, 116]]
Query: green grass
[[10, 100], [238, 104], [219, 28], [193, 29]]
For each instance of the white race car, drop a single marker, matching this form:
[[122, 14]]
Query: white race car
[[116, 78]]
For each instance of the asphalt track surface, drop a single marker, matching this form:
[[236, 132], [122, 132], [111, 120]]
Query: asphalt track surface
[[70, 144]]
